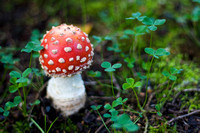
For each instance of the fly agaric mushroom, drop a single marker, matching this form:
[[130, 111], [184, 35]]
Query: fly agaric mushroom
[[67, 52]]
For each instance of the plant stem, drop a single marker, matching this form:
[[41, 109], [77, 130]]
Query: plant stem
[[42, 131], [45, 126], [138, 102], [84, 14], [147, 81], [103, 121], [111, 74], [52, 124], [24, 93], [4, 76], [133, 111], [30, 59], [151, 40]]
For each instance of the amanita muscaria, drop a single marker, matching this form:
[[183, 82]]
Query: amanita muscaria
[[67, 52]]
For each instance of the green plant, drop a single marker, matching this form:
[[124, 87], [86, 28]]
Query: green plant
[[111, 68], [96, 108]]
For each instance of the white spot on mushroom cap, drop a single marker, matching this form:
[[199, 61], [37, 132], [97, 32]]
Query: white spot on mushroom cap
[[51, 32], [76, 68], [50, 62], [53, 71], [87, 39], [83, 38], [56, 42], [86, 48], [45, 40], [46, 47], [61, 60], [54, 51], [77, 57], [68, 49], [64, 70], [68, 40], [71, 59], [70, 67], [85, 34], [45, 56], [92, 53], [79, 46], [49, 71], [84, 67], [53, 38], [61, 34], [45, 68], [83, 59], [58, 69]]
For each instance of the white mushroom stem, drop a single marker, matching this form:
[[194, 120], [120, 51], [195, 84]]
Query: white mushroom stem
[[67, 94]]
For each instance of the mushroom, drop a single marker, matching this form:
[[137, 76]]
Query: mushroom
[[67, 52]]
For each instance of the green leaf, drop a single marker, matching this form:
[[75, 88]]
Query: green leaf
[[96, 107], [97, 38], [138, 84], [159, 21], [161, 52], [157, 106], [152, 28], [131, 127], [117, 126], [13, 88], [166, 73], [17, 100], [115, 103], [141, 18], [123, 119], [15, 74], [6, 113], [130, 81], [126, 86], [106, 64], [107, 106], [22, 80], [9, 105], [173, 70], [109, 69], [198, 1], [148, 21], [107, 115], [117, 65], [129, 32], [136, 15], [1, 110], [125, 100], [149, 51], [35, 103], [108, 38], [159, 113], [26, 72], [172, 77]]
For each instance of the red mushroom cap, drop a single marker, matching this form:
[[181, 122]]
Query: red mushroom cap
[[67, 50]]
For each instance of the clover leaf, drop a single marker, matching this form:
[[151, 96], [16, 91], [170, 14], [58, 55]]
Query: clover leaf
[[32, 46], [171, 74], [152, 23], [156, 53], [110, 68], [96, 107], [131, 84]]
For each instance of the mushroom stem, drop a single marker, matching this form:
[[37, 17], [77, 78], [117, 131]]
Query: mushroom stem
[[67, 94]]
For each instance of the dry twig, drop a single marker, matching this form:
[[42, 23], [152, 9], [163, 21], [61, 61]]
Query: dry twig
[[182, 116], [186, 90]]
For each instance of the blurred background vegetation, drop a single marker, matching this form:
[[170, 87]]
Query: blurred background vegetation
[[111, 33]]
